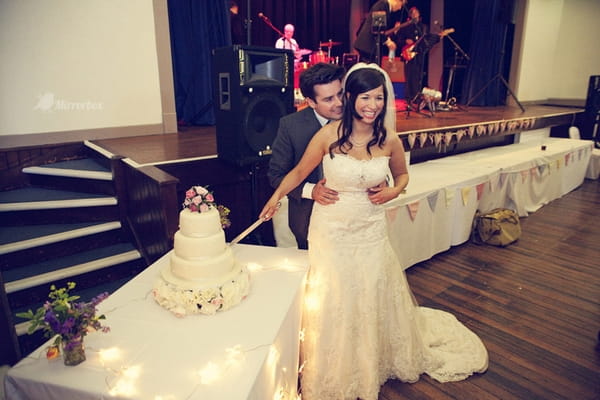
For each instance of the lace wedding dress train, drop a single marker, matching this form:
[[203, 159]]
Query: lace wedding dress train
[[361, 323]]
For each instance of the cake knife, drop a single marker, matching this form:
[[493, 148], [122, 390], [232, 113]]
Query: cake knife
[[249, 229]]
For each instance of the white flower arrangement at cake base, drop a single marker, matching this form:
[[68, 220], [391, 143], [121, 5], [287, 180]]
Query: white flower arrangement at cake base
[[182, 302], [186, 290]]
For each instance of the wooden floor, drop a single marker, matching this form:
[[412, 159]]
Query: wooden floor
[[535, 305]]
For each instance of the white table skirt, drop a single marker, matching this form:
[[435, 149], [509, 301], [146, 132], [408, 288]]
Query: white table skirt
[[162, 356], [443, 195], [593, 171]]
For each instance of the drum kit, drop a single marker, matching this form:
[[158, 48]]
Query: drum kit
[[314, 57]]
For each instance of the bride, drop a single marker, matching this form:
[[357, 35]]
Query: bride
[[361, 322]]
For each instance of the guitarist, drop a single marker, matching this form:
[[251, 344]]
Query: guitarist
[[367, 39], [415, 34]]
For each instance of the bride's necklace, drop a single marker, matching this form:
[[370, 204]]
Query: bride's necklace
[[359, 144]]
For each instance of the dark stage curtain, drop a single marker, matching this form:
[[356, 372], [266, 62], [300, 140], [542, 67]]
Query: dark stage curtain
[[315, 21], [490, 52], [196, 28]]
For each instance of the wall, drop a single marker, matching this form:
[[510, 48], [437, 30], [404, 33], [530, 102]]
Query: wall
[[74, 70], [558, 49]]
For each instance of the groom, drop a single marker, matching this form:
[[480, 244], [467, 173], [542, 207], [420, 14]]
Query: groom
[[321, 85]]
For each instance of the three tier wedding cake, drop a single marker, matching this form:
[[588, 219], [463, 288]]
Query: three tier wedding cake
[[203, 276]]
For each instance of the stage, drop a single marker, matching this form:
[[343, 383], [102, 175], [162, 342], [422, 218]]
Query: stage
[[421, 132]]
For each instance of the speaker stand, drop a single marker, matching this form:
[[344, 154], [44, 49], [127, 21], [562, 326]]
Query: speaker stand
[[505, 85], [255, 236]]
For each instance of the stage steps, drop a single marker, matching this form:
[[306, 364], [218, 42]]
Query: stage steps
[[65, 226]]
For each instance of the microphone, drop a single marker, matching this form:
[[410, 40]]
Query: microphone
[[263, 17]]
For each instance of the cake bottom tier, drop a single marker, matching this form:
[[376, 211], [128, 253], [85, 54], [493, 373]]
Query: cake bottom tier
[[186, 298]]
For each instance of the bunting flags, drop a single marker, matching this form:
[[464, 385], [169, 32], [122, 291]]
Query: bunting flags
[[423, 138], [412, 137], [391, 213], [412, 208], [541, 169], [494, 179], [501, 180], [465, 195], [449, 196], [479, 189], [432, 200]]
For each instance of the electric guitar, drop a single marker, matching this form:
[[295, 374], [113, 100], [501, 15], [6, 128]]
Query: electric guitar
[[408, 52], [399, 26]]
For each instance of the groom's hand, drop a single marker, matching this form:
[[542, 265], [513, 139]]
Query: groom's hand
[[323, 195]]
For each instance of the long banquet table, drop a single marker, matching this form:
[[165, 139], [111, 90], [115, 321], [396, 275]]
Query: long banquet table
[[247, 352], [443, 195]]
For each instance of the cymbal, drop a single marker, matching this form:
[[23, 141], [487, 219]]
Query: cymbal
[[303, 52], [329, 44]]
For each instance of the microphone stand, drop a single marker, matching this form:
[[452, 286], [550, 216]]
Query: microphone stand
[[248, 24], [270, 25], [457, 49]]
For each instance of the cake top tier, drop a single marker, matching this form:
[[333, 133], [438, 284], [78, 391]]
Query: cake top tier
[[199, 199]]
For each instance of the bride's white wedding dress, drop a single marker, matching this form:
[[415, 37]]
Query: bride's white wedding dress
[[361, 322]]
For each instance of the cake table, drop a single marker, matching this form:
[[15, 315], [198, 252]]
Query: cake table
[[247, 352]]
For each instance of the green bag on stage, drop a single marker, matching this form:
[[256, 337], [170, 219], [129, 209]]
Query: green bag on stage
[[499, 227]]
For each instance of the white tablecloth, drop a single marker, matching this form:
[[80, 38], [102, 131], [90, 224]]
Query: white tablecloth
[[443, 195], [252, 348]]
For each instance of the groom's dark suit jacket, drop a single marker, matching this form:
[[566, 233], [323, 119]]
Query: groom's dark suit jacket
[[294, 133]]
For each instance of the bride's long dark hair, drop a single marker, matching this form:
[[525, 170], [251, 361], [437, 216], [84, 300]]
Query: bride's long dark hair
[[360, 81]]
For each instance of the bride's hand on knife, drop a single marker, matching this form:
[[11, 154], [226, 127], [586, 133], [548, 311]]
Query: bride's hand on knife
[[270, 208]]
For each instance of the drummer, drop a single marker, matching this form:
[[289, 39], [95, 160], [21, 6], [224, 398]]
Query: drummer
[[288, 42]]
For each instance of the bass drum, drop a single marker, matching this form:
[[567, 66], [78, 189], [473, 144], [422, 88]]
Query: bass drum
[[299, 67], [319, 56]]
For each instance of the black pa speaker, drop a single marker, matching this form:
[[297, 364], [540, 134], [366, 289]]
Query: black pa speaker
[[591, 118], [254, 88]]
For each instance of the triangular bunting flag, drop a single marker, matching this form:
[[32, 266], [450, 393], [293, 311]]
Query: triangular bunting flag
[[437, 139], [391, 213], [524, 175], [449, 196], [459, 135], [448, 137], [541, 169], [501, 181], [413, 208], [494, 182], [558, 164], [567, 156], [533, 171], [432, 200], [412, 137], [465, 195], [422, 138], [479, 189]]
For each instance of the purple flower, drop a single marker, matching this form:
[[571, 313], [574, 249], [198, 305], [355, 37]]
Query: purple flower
[[99, 299], [52, 321]]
